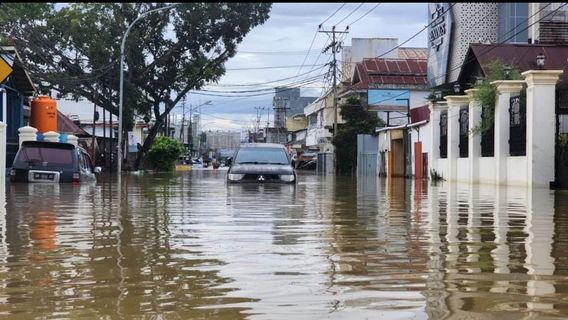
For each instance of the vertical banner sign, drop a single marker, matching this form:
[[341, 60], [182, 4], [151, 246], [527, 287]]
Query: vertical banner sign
[[440, 21], [132, 142]]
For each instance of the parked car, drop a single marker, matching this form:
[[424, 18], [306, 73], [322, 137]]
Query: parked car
[[42, 161], [261, 163], [307, 160]]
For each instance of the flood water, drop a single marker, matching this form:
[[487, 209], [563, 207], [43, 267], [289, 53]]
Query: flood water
[[187, 246]]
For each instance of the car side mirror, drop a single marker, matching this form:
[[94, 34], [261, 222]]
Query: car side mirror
[[98, 170]]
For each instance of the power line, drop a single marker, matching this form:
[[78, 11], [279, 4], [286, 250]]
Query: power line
[[494, 46], [264, 89], [314, 38], [267, 67], [266, 82], [352, 12], [336, 11], [366, 13]]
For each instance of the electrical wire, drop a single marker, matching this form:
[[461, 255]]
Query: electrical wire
[[336, 11], [352, 12], [366, 13]]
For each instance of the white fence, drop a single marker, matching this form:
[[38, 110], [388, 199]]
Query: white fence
[[2, 164]]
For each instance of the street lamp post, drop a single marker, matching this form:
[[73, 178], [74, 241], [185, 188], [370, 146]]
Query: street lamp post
[[119, 165], [191, 108], [407, 108]]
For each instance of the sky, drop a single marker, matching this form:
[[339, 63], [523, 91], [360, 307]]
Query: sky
[[285, 40]]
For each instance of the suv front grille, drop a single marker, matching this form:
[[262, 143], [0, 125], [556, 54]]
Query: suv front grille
[[261, 177]]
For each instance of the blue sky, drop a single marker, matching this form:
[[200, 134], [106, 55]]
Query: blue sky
[[284, 40]]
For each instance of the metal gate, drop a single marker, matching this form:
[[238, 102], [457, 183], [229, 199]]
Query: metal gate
[[518, 126], [367, 155], [561, 146]]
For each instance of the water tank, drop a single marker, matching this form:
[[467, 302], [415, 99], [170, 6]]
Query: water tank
[[44, 114]]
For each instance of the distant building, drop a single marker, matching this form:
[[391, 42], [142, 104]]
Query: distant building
[[223, 139], [287, 102]]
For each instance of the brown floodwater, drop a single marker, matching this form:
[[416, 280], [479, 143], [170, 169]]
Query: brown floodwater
[[187, 246]]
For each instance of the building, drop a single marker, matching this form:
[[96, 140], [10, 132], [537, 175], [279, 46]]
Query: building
[[454, 26], [16, 91], [288, 102], [223, 139]]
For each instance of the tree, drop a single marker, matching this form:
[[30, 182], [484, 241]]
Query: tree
[[357, 121], [164, 153], [75, 50]]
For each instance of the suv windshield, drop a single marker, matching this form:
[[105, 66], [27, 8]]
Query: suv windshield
[[40, 156], [261, 156]]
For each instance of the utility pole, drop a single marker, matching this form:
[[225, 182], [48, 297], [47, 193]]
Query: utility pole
[[335, 46], [181, 135]]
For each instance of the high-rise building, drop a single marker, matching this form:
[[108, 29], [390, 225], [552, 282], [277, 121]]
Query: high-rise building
[[287, 102], [453, 27]]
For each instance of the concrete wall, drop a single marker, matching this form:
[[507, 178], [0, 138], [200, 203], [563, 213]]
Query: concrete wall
[[463, 169], [536, 169], [487, 169], [516, 171]]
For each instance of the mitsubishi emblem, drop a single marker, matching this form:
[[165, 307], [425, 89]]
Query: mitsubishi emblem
[[260, 178]]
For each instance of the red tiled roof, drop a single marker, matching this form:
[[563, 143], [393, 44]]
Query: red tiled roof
[[389, 71]]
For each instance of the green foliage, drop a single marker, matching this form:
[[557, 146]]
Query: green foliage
[[357, 121], [75, 50], [164, 153], [486, 92], [435, 176]]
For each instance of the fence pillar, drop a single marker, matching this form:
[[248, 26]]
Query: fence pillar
[[454, 105], [27, 133], [72, 139], [434, 153], [474, 139], [2, 164], [505, 89], [51, 136], [541, 125]]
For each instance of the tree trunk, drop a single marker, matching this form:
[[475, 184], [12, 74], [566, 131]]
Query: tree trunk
[[152, 133]]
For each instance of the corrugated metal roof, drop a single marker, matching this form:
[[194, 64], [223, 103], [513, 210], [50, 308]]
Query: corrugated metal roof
[[65, 125], [389, 71], [419, 114], [413, 53], [522, 56]]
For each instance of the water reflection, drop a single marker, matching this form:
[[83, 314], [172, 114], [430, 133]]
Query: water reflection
[[187, 245]]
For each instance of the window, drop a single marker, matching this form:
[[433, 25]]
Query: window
[[261, 156], [312, 120], [43, 156]]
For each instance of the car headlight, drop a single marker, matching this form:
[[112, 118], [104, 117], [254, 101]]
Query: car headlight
[[235, 176], [287, 177]]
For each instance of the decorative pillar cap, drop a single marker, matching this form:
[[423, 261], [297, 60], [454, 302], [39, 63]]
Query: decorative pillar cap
[[549, 77], [509, 86], [27, 129], [457, 101], [470, 92], [437, 105]]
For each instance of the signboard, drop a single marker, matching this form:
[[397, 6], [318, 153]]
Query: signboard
[[132, 142], [388, 100], [440, 20], [5, 69]]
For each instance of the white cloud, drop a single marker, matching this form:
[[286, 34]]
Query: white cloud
[[290, 29]]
